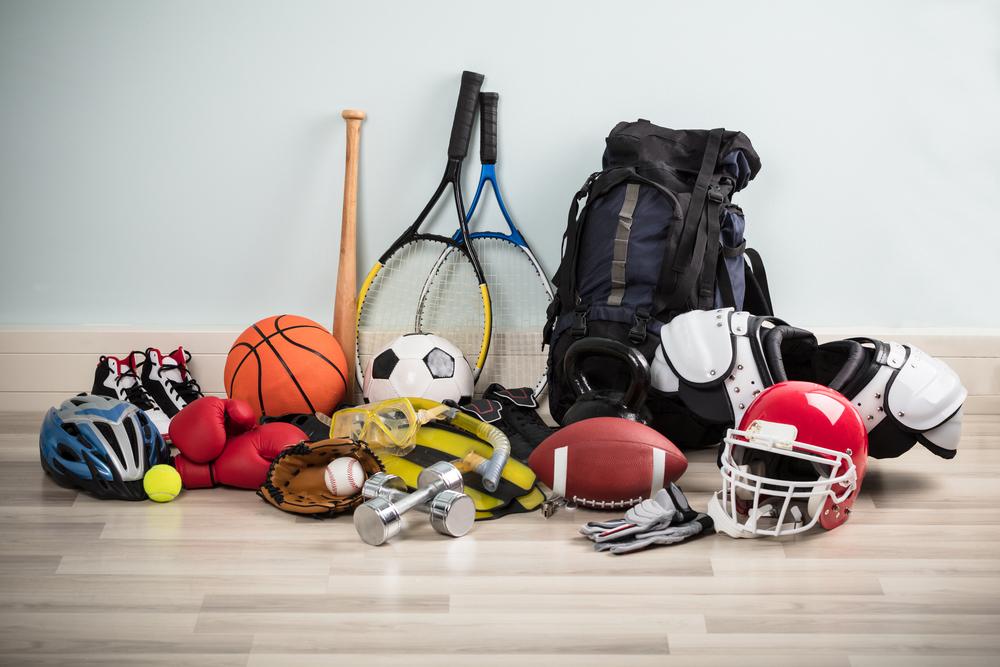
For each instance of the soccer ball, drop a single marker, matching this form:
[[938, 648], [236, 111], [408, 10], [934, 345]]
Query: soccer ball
[[419, 365]]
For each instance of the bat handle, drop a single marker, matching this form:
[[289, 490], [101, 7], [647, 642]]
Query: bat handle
[[345, 305]]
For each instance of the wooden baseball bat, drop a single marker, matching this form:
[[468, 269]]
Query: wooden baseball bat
[[346, 304]]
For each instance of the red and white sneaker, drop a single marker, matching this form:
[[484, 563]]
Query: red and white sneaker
[[116, 378], [168, 381]]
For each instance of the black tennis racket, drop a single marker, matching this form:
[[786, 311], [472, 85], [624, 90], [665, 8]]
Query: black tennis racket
[[411, 290]]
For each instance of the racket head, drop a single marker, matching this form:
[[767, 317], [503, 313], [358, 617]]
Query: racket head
[[427, 284]]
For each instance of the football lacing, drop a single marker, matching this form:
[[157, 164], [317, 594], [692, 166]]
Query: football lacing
[[605, 504]]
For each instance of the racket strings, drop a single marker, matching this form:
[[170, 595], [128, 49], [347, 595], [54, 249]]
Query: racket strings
[[450, 304], [520, 295], [426, 286]]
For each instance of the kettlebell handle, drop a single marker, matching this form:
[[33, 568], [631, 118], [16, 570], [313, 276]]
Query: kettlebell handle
[[635, 395]]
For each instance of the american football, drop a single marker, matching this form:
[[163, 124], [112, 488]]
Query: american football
[[607, 462]]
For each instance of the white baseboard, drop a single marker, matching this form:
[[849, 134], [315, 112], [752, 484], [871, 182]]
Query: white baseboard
[[41, 366]]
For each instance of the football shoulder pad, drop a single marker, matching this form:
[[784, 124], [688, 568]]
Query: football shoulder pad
[[715, 361], [910, 397]]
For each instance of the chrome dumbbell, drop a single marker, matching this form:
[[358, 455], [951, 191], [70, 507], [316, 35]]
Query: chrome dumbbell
[[441, 509], [439, 494]]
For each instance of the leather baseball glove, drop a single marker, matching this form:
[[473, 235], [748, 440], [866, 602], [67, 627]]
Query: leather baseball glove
[[295, 482]]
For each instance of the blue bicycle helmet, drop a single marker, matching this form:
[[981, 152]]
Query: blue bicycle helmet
[[100, 445]]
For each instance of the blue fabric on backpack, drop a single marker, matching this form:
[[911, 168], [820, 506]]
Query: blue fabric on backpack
[[731, 236], [647, 242]]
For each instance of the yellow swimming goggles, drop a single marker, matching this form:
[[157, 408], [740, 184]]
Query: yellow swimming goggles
[[389, 425]]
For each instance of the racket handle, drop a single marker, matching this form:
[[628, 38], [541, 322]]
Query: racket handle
[[465, 115], [488, 127]]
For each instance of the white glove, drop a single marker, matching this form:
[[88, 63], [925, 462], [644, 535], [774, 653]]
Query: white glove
[[652, 514], [666, 518], [669, 535]]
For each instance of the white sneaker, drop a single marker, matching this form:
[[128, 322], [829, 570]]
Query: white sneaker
[[168, 381], [116, 378]]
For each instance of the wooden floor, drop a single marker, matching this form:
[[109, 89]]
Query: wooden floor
[[218, 577]]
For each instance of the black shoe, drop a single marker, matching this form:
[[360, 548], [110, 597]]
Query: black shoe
[[168, 381], [513, 411]]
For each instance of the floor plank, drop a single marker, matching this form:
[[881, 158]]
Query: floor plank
[[220, 578]]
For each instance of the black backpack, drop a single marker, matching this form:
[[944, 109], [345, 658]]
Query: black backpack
[[657, 236]]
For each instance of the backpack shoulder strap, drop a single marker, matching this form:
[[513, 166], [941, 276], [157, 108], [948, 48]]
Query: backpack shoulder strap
[[686, 253], [760, 278], [596, 185]]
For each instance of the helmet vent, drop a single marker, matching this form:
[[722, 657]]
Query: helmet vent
[[109, 436], [147, 427], [68, 453], [133, 439]]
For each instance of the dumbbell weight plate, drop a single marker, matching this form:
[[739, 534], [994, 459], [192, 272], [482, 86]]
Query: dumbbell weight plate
[[444, 472], [378, 484], [377, 521], [452, 513]]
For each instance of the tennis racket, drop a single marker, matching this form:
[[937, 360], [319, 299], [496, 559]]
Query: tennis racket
[[411, 290], [519, 290]]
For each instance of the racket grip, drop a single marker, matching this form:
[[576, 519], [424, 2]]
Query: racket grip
[[465, 115], [488, 127]]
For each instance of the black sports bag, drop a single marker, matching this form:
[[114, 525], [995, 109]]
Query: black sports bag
[[657, 235]]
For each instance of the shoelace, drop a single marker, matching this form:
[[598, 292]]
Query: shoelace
[[135, 394], [188, 390]]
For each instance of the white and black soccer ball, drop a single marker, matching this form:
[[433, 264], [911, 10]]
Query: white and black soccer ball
[[419, 365]]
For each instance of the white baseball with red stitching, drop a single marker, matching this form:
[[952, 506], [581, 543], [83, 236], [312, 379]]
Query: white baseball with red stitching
[[344, 476]]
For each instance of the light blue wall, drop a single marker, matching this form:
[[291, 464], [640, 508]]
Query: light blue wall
[[181, 163]]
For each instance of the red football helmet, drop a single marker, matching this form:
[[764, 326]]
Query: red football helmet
[[797, 458]]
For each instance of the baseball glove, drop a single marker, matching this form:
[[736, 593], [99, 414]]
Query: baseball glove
[[295, 482]]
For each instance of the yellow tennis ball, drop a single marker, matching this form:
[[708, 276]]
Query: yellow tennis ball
[[162, 483]]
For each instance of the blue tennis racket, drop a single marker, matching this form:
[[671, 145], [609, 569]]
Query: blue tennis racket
[[520, 292]]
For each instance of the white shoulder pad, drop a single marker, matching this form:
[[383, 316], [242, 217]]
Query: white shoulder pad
[[924, 393], [895, 356], [699, 345], [661, 375], [945, 437], [870, 401]]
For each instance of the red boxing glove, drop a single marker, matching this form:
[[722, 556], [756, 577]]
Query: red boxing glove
[[201, 429], [193, 475], [247, 457]]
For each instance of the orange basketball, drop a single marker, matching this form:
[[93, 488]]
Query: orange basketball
[[285, 365]]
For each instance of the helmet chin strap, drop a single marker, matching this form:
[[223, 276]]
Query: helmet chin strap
[[724, 523]]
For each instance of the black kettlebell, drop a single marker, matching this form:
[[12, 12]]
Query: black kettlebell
[[591, 402]]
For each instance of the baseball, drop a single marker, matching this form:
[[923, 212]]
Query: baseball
[[344, 476]]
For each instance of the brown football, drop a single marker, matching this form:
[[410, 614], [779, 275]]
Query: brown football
[[607, 462]]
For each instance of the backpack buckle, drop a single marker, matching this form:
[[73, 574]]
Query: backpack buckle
[[637, 334], [585, 189], [715, 194], [551, 315], [579, 329]]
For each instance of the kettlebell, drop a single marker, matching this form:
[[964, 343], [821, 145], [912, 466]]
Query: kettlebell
[[591, 402]]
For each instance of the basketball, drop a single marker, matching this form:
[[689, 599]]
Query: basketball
[[286, 364]]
